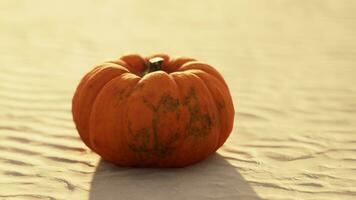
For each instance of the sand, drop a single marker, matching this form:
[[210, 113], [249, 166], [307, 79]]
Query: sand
[[290, 65]]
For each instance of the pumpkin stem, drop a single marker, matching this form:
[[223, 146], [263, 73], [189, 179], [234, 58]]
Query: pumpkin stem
[[155, 64]]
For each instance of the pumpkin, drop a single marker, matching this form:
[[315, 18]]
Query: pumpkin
[[153, 111]]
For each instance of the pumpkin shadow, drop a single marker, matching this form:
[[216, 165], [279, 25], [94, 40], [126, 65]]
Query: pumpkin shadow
[[213, 178]]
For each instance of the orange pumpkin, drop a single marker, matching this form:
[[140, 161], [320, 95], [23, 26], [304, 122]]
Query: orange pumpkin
[[154, 111]]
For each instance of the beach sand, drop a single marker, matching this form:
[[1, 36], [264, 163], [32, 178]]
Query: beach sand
[[290, 66]]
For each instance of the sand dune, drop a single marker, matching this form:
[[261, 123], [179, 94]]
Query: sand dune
[[290, 65]]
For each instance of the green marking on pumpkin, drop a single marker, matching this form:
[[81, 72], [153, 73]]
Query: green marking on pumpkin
[[220, 106], [177, 115], [144, 136], [199, 124], [149, 104], [120, 94], [169, 102], [129, 126], [138, 86], [166, 104], [191, 95]]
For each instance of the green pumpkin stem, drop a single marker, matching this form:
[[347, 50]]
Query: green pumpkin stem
[[155, 64]]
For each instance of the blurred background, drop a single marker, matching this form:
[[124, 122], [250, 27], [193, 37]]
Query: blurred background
[[290, 66]]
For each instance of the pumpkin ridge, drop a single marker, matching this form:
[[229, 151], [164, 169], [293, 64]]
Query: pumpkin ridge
[[224, 103], [196, 115], [136, 64], [206, 117], [165, 103], [78, 96], [178, 91], [217, 104], [93, 102], [78, 93], [104, 90], [159, 149], [196, 65], [175, 64]]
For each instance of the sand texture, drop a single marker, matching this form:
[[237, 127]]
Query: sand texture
[[290, 65]]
